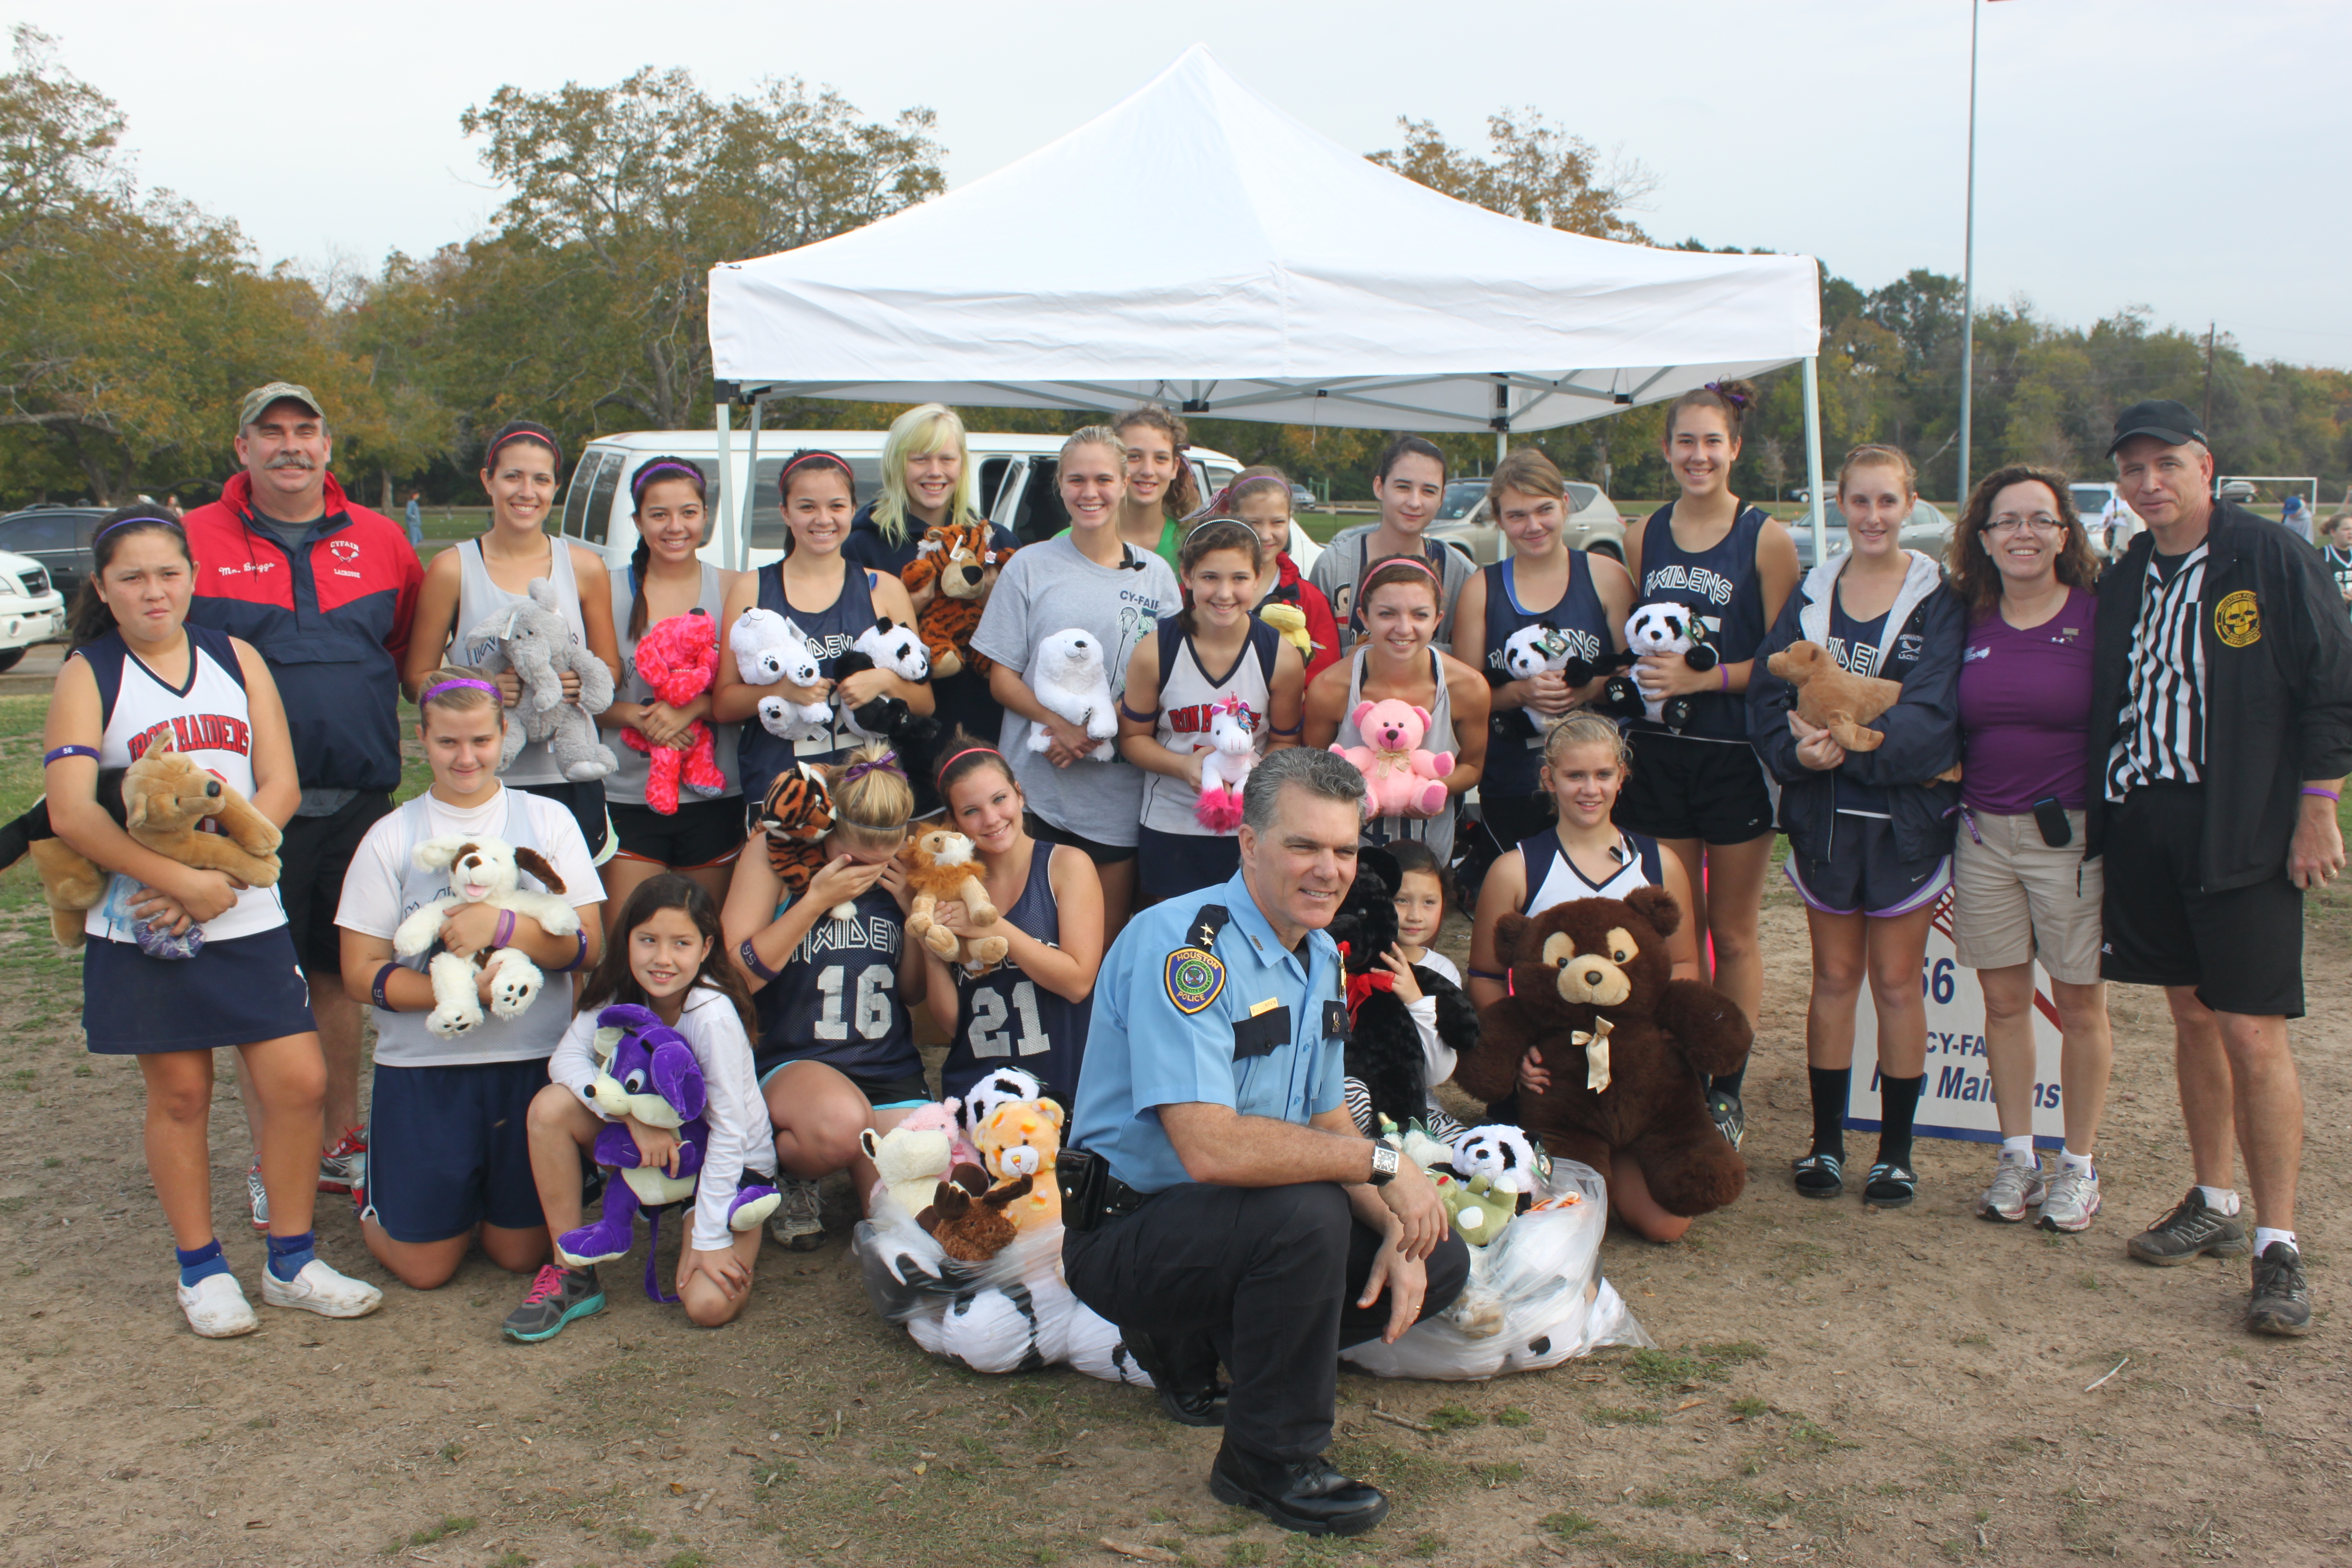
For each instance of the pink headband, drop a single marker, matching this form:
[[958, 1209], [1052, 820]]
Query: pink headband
[[1413, 560], [967, 752], [785, 474], [430, 692], [527, 433]]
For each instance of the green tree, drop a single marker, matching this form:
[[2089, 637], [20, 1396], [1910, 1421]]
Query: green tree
[[1539, 173]]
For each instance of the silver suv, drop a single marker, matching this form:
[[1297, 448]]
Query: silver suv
[[1462, 522]]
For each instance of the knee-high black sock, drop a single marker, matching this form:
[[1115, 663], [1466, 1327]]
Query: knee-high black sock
[[1728, 1082], [1898, 1102], [1830, 1085]]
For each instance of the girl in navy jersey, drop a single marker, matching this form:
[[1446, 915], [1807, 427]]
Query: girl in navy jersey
[[1582, 854], [1700, 789], [836, 1051], [2340, 555], [1870, 833], [1030, 1011], [139, 675], [1214, 655], [1584, 598], [831, 602]]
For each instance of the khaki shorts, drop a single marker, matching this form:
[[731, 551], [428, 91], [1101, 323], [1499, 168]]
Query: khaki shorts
[[2015, 898]]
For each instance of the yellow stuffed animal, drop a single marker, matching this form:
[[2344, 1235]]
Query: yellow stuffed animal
[[1018, 1141]]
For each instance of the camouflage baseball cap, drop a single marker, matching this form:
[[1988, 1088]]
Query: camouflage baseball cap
[[261, 398]]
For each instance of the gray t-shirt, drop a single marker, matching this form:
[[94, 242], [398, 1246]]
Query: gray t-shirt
[[1341, 566], [315, 802], [1047, 588]]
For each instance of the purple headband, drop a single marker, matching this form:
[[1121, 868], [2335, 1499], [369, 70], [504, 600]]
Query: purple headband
[[646, 475], [1736, 398], [430, 692], [165, 518], [888, 764]]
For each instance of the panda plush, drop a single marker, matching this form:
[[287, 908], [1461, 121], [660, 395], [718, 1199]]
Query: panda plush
[[888, 646], [1538, 647], [1659, 627]]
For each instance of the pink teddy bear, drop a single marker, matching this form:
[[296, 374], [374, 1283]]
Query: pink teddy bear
[[678, 658], [1400, 775]]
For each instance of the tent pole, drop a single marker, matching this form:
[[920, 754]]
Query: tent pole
[[725, 422], [751, 486], [1814, 454]]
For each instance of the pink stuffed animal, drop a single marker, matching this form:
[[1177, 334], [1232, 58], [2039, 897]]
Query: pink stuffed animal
[[678, 658], [1400, 775]]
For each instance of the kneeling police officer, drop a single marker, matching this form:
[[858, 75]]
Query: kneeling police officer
[[1219, 1204]]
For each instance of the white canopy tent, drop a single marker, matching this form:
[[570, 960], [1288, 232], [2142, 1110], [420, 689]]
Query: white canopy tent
[[1289, 280]]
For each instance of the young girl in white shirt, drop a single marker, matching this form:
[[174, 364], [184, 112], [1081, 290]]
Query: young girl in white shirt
[[660, 959]]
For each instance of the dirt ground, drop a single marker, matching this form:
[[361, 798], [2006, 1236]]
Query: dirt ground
[[1834, 1385]]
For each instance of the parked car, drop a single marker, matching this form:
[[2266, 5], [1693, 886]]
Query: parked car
[[1301, 497], [1927, 530], [56, 536], [1462, 522], [2238, 490], [1017, 477], [2109, 531], [31, 609]]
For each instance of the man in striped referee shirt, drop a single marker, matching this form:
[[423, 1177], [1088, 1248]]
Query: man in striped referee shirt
[[2220, 733]]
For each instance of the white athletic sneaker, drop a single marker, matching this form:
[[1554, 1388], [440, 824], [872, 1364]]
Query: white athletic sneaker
[[259, 1196], [2073, 1200], [2016, 1187], [319, 1289], [216, 1307]]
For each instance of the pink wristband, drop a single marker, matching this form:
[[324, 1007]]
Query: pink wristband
[[505, 933], [2333, 794]]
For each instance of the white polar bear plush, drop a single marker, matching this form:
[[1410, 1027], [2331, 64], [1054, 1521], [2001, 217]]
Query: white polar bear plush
[[482, 870], [1666, 627], [770, 650], [1069, 677]]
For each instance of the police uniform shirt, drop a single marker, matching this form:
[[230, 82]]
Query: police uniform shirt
[[1241, 1021]]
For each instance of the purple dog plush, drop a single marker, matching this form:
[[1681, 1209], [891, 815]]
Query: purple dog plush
[[646, 1069]]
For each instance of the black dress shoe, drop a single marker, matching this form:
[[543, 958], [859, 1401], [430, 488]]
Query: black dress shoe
[[1184, 1374], [1306, 1495]]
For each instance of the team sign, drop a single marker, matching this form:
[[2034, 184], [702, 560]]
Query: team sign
[[1957, 1100]]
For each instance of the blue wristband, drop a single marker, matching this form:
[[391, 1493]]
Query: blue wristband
[[578, 958], [751, 957], [376, 988], [59, 754]]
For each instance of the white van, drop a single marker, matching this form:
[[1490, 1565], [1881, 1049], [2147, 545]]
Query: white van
[[1017, 488]]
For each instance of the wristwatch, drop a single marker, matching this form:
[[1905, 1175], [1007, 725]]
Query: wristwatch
[[1384, 1165]]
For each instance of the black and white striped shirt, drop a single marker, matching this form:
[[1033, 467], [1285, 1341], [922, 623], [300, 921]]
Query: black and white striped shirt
[[2160, 734]]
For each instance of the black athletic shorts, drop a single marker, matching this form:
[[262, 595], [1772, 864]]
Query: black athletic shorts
[[1044, 832], [2241, 949], [311, 862], [1169, 865], [700, 832], [1680, 788], [585, 802]]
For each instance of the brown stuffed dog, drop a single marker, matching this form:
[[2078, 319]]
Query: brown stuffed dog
[[160, 800], [1624, 1043], [1832, 698], [942, 866], [974, 1230]]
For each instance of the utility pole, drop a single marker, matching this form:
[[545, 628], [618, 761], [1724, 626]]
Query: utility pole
[[1969, 272], [2208, 378]]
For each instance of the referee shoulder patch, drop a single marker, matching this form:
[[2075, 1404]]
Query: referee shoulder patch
[[1194, 978]]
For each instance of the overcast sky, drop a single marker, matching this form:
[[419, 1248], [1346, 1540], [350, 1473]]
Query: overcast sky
[[2178, 154]]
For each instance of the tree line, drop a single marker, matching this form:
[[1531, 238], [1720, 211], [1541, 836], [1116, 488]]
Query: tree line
[[130, 321]]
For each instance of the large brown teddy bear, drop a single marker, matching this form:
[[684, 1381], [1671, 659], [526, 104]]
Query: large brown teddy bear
[[1623, 1041]]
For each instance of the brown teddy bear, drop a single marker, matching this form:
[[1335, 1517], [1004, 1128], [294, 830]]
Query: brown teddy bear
[[942, 866], [1624, 1043], [160, 800], [974, 1230]]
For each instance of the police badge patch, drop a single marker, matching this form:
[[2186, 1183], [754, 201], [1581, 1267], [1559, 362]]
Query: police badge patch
[[1194, 978]]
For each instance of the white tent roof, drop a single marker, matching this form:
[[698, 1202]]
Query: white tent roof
[[1287, 278]]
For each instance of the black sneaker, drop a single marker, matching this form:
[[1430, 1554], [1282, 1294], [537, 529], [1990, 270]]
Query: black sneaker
[[2190, 1231], [2282, 1298], [1730, 1116], [557, 1297], [1308, 1496]]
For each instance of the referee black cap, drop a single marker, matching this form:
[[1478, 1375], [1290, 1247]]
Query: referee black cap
[[2168, 422]]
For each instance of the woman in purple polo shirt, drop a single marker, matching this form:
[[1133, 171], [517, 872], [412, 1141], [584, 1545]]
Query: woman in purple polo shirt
[[2021, 889]]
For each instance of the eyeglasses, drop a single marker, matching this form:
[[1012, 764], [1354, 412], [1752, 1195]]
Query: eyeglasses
[[2039, 523]]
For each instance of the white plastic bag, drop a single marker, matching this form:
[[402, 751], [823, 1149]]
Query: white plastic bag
[[1534, 1298], [1011, 1313]]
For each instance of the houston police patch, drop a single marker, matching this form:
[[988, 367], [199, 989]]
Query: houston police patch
[[1194, 978]]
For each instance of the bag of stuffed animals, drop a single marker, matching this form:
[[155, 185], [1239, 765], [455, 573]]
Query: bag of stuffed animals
[[1535, 1296], [964, 1247]]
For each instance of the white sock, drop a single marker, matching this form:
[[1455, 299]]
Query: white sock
[[2221, 1200], [2020, 1149], [2265, 1236], [2078, 1163]]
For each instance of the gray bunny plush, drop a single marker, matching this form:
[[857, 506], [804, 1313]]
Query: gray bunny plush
[[535, 641]]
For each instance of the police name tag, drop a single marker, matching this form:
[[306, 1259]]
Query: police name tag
[[1194, 977]]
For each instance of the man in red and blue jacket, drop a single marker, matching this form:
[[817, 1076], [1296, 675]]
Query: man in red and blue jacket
[[324, 590]]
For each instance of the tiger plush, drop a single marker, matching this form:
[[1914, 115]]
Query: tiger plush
[[949, 581], [796, 817]]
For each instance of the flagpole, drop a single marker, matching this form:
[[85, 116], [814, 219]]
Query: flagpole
[[1969, 273]]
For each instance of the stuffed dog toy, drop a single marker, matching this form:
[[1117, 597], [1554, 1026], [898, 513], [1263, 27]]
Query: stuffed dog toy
[[162, 800], [482, 870]]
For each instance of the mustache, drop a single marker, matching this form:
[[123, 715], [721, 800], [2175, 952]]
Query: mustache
[[291, 460]]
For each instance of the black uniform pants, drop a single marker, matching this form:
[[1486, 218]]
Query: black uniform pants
[[1267, 1275]]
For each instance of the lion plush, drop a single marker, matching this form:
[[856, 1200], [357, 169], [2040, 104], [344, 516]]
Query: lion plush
[[942, 866], [1624, 1043], [162, 800]]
